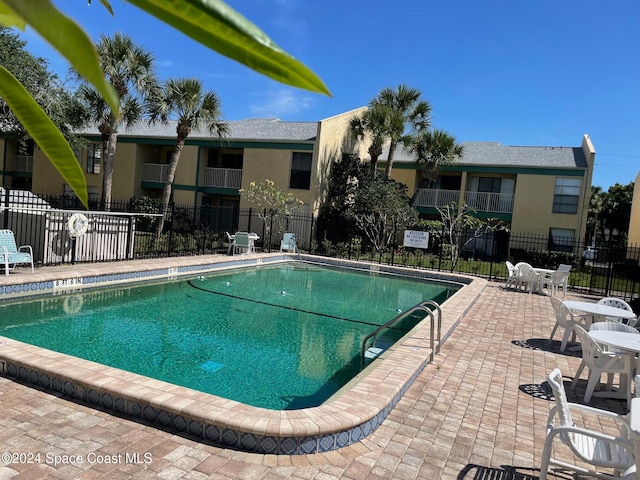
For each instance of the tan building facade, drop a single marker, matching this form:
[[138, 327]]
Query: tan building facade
[[536, 190]]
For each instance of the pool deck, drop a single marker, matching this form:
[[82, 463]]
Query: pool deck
[[477, 411]]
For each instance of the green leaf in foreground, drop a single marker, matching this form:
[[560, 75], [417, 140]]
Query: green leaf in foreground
[[216, 25], [44, 132], [69, 39]]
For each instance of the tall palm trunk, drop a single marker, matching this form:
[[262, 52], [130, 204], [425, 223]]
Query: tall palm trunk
[[171, 175], [392, 152], [107, 183]]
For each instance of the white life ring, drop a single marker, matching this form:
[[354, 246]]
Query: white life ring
[[72, 304], [77, 225]]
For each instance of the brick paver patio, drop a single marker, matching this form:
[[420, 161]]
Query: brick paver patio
[[479, 411]]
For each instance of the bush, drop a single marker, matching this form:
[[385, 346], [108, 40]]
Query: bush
[[544, 258]]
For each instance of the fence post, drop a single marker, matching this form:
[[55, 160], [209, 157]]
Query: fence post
[[172, 208], [5, 217]]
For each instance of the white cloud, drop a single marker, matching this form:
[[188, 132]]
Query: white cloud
[[282, 102]]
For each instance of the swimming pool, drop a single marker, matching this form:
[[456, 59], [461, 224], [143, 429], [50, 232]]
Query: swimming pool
[[284, 336], [352, 414]]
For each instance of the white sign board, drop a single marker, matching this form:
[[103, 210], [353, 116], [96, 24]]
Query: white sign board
[[416, 239]]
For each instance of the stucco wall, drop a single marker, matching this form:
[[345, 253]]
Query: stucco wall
[[634, 224]]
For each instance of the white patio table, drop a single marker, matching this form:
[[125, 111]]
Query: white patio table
[[543, 274], [625, 341], [597, 309], [252, 240]]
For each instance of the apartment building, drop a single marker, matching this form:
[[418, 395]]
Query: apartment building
[[539, 190], [295, 155]]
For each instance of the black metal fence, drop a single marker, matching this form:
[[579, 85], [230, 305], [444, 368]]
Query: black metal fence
[[128, 231]]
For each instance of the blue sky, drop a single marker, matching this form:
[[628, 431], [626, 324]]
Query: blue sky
[[520, 73]]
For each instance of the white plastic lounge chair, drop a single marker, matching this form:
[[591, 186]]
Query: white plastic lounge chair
[[288, 243], [618, 303], [12, 255], [566, 319], [598, 361], [598, 450]]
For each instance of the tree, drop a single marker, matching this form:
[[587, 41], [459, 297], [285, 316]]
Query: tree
[[43, 86], [416, 113], [379, 123], [434, 148], [461, 227], [274, 206], [616, 210], [381, 208], [594, 215], [194, 108], [129, 70], [213, 24]]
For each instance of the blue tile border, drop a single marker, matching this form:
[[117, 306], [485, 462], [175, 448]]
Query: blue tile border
[[246, 441]]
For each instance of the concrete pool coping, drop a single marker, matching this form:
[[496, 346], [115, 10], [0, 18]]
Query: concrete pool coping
[[341, 421]]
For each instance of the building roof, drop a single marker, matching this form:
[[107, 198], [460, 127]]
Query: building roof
[[494, 154], [260, 129]]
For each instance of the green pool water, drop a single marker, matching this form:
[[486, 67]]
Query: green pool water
[[279, 337]]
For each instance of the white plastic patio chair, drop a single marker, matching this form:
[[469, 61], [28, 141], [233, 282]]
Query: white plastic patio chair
[[557, 280], [618, 303], [599, 361], [566, 319], [512, 277], [241, 243], [598, 450], [563, 267], [526, 276]]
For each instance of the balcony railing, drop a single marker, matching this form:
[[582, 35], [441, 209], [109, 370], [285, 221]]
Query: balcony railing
[[435, 197], [23, 163], [479, 201], [155, 172], [222, 177], [490, 202], [213, 177]]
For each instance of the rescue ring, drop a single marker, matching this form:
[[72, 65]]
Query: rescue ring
[[72, 304], [77, 225]]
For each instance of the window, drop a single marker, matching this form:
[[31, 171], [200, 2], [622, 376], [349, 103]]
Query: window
[[566, 195], [94, 156], [300, 170], [561, 239]]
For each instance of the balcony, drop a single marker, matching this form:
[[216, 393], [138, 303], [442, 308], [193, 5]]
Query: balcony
[[213, 177], [435, 197], [490, 202], [23, 163], [155, 172], [222, 177]]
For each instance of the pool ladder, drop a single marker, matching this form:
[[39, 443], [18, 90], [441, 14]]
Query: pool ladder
[[372, 352]]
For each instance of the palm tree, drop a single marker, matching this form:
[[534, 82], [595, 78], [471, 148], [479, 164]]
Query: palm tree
[[129, 69], [378, 123], [194, 107], [416, 113], [434, 148]]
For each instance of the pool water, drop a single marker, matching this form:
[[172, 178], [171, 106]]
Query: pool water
[[279, 337]]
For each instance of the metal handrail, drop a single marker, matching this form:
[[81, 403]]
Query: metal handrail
[[420, 306]]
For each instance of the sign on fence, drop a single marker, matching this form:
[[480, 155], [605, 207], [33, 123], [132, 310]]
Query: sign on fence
[[416, 239]]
